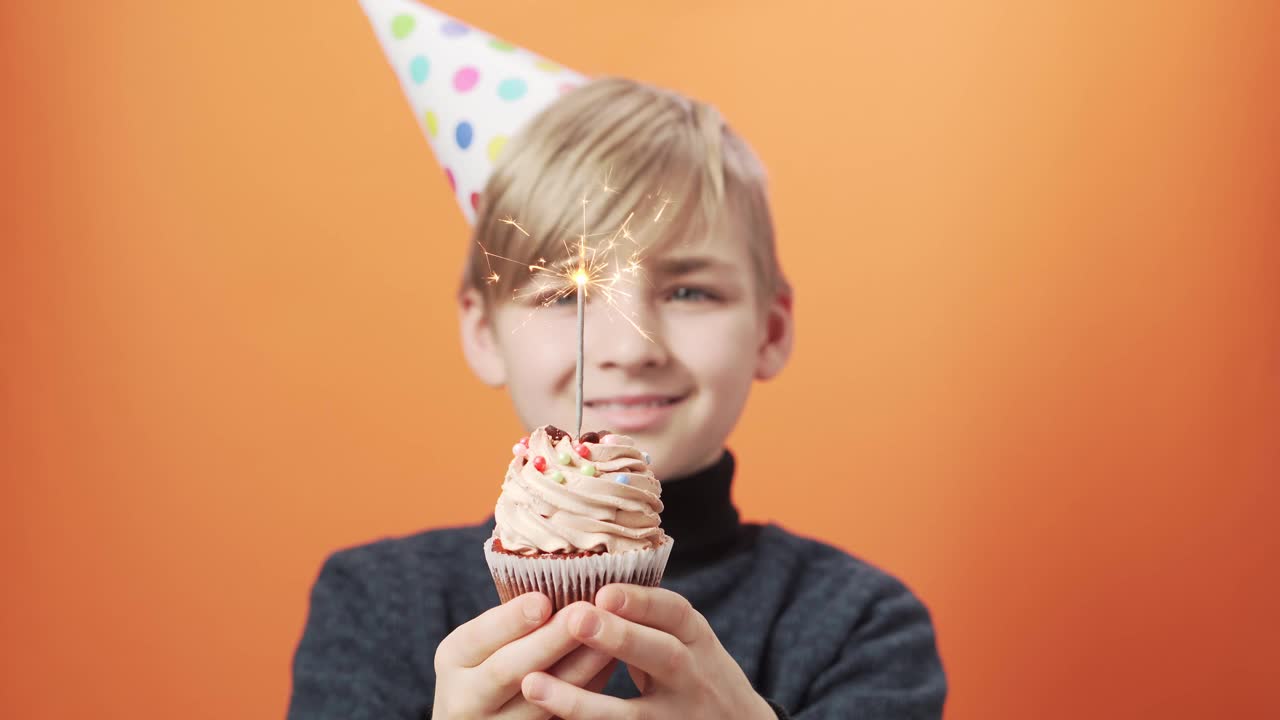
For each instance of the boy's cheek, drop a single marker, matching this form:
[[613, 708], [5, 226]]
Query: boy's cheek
[[519, 324], [538, 340], [717, 341]]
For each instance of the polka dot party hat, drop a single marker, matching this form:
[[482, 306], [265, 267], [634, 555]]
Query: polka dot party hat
[[470, 91]]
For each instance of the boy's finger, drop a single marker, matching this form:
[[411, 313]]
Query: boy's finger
[[538, 650], [660, 654], [518, 708], [582, 665], [655, 607], [572, 669], [573, 703], [474, 641]]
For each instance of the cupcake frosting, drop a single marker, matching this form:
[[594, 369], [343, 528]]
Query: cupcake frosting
[[555, 500]]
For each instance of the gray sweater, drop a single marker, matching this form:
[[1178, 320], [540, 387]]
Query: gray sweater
[[819, 633]]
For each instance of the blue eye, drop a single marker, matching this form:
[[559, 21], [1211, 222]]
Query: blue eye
[[690, 294]]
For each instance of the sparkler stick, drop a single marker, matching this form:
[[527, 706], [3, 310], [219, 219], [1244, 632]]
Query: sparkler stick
[[581, 279]]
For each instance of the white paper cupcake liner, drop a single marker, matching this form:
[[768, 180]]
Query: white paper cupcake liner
[[568, 580]]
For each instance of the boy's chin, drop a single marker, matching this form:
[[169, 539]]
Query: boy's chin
[[671, 462]]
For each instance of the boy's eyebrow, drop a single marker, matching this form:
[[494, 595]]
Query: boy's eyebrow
[[685, 265]]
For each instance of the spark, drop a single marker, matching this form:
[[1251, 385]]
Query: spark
[[516, 225], [605, 186], [658, 217]]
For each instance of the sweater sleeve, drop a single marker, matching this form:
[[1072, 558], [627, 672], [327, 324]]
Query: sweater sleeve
[[351, 663], [888, 668]]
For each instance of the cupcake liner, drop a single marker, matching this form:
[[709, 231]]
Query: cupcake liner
[[568, 580]]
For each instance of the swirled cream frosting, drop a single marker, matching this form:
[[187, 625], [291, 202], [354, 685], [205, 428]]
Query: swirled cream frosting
[[594, 495]]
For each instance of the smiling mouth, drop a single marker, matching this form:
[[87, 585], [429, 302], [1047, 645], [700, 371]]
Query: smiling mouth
[[634, 402]]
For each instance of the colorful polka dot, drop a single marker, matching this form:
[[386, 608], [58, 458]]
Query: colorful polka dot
[[401, 26], [463, 134], [495, 147], [418, 68], [501, 45], [475, 201], [453, 185], [433, 125], [512, 89], [547, 66], [465, 79], [623, 479], [453, 28]]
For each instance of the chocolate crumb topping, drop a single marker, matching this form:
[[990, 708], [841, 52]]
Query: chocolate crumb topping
[[556, 433]]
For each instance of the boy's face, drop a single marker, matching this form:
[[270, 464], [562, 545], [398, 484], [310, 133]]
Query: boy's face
[[680, 392]]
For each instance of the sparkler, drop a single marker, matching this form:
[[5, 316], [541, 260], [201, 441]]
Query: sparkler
[[584, 269], [581, 278]]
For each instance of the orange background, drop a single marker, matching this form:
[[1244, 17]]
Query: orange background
[[1037, 255]]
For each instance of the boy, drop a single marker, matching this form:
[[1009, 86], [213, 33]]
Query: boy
[[751, 621]]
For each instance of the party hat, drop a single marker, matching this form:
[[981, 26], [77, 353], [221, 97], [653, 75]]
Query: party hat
[[470, 91]]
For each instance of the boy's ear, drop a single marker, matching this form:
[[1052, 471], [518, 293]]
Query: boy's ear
[[779, 335], [478, 344]]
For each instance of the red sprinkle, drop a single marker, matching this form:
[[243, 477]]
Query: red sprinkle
[[584, 451], [540, 463]]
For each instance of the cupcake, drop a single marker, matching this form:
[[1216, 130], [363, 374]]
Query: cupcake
[[576, 516]]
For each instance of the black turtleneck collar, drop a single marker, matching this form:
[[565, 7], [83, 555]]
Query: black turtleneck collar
[[698, 513]]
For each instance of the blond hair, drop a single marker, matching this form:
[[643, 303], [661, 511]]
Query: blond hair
[[627, 148]]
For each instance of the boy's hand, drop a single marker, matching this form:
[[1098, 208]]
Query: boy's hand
[[673, 656], [480, 664]]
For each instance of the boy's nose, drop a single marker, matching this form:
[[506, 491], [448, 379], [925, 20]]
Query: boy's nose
[[614, 342]]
